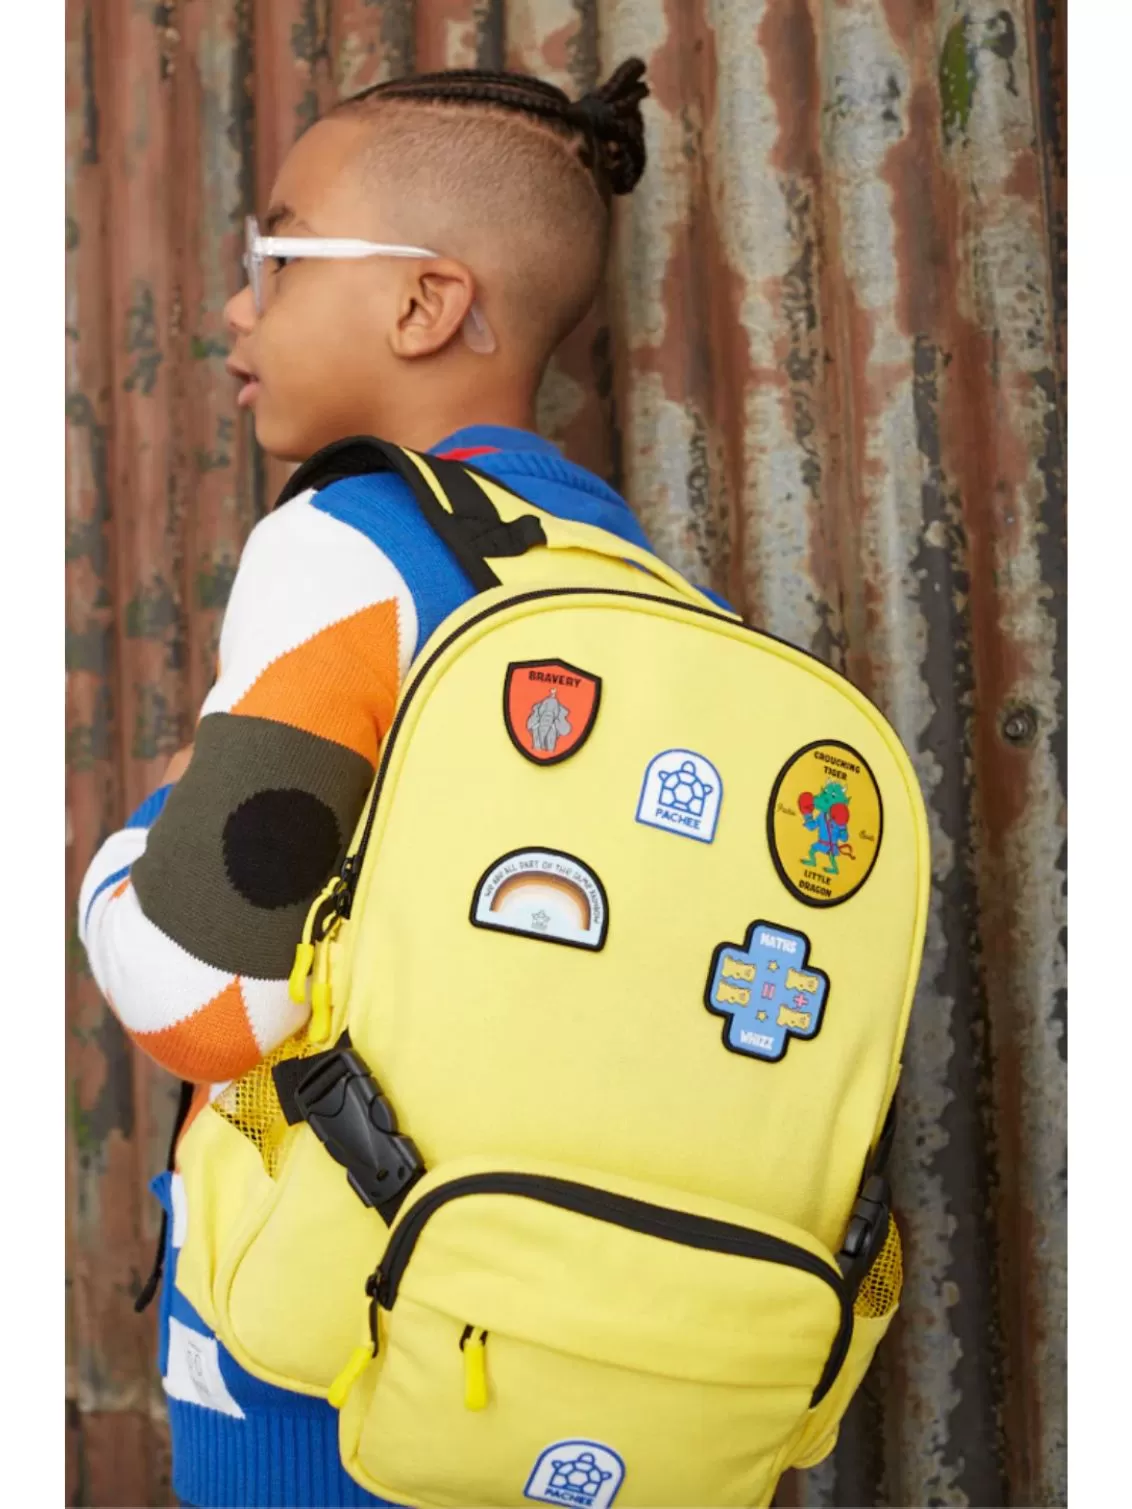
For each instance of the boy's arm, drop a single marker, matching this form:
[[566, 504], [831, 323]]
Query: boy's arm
[[191, 913]]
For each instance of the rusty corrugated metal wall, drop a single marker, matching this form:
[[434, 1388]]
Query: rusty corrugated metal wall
[[829, 371]]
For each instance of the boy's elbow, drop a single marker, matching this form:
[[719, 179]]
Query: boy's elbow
[[218, 1041], [189, 1054], [199, 1022]]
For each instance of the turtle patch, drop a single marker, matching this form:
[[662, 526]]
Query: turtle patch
[[581, 1474], [681, 794]]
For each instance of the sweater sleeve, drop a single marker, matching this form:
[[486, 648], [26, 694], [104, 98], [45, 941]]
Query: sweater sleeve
[[190, 917]]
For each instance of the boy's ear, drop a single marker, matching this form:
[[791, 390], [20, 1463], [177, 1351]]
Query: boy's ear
[[433, 303]]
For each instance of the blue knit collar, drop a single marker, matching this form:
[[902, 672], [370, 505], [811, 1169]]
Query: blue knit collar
[[521, 453], [500, 437]]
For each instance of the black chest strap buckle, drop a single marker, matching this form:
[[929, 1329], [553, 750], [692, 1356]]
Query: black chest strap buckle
[[341, 1102], [867, 1231]]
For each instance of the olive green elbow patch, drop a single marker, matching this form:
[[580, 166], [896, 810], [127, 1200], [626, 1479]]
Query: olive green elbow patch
[[247, 838]]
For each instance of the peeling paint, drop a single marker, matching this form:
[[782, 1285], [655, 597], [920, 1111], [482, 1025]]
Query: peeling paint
[[158, 731], [220, 455], [152, 611], [201, 349], [956, 80], [90, 116], [141, 341], [214, 583]]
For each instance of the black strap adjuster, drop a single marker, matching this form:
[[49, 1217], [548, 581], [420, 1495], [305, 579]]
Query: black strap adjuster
[[867, 1230], [471, 526], [338, 1098]]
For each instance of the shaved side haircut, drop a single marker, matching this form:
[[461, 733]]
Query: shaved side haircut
[[509, 174]]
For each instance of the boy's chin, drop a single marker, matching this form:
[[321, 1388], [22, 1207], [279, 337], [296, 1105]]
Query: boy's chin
[[281, 441], [291, 442]]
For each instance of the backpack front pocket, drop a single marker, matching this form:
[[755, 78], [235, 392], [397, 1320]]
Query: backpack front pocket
[[546, 1333]]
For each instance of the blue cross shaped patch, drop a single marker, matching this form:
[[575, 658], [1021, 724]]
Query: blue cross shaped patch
[[767, 990]]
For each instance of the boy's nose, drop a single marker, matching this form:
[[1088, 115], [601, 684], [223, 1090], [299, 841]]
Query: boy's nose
[[239, 312]]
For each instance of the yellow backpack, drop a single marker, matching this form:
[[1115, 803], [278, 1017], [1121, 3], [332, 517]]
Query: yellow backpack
[[607, 1012]]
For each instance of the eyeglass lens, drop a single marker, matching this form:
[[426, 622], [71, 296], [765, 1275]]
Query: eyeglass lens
[[252, 261]]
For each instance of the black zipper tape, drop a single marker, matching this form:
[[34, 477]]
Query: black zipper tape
[[703, 1232]]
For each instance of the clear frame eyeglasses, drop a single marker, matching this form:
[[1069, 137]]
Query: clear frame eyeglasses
[[258, 249]]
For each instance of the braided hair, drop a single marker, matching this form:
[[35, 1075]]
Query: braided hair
[[606, 123]]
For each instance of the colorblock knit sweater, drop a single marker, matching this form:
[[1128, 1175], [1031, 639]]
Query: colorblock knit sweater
[[191, 913]]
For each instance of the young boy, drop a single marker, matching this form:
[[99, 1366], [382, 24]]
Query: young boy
[[488, 196]]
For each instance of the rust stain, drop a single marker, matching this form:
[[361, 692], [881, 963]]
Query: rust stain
[[809, 298], [555, 39], [369, 48], [1024, 181], [556, 50], [458, 34], [786, 34], [903, 17], [576, 405], [703, 356], [987, 462], [576, 402], [857, 393], [925, 216]]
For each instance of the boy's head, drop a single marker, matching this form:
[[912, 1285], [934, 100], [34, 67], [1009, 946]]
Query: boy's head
[[501, 176]]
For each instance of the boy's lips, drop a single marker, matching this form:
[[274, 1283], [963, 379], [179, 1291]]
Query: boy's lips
[[247, 393]]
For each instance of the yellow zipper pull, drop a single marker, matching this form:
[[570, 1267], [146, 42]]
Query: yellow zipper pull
[[319, 1029], [304, 962], [305, 951], [359, 1360], [361, 1357], [473, 1344]]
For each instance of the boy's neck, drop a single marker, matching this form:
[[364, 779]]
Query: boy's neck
[[419, 429]]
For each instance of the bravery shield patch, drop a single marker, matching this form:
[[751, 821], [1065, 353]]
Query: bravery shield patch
[[824, 823], [549, 708]]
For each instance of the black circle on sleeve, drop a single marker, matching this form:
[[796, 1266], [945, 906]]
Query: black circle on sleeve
[[280, 846]]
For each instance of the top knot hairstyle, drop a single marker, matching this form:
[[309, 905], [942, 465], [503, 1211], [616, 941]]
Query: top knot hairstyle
[[606, 122]]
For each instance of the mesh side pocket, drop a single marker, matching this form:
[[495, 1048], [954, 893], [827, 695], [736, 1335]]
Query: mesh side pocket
[[880, 1288], [252, 1106]]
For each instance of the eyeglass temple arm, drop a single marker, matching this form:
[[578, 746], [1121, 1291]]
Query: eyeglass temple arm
[[477, 332], [312, 246]]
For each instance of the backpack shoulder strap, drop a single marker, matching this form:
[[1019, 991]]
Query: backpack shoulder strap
[[477, 517], [459, 512], [571, 534], [557, 533]]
